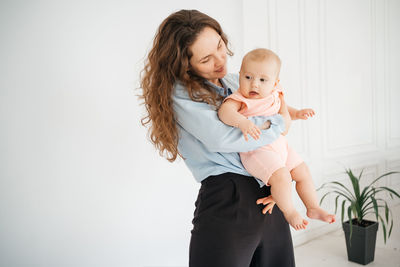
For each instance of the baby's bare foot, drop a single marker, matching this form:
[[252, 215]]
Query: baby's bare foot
[[320, 214], [295, 220]]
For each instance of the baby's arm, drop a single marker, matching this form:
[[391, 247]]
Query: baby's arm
[[285, 114], [302, 114], [229, 114], [194, 117]]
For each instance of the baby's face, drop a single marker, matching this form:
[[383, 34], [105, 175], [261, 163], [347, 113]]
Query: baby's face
[[258, 78]]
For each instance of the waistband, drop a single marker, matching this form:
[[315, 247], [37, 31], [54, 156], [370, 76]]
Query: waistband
[[224, 176]]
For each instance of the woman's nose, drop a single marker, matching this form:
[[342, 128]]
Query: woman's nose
[[220, 59]]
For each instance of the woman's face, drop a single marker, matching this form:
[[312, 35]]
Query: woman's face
[[209, 55]]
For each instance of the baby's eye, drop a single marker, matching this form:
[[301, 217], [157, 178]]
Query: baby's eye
[[247, 77], [263, 80]]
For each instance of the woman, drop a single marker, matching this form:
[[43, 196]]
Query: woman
[[184, 80]]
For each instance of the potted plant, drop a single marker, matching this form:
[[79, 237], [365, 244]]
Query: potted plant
[[357, 202]]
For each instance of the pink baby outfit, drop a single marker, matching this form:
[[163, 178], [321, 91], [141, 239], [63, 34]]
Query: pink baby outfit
[[264, 161]]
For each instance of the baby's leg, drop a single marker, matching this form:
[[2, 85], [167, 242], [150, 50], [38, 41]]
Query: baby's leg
[[281, 192], [306, 190]]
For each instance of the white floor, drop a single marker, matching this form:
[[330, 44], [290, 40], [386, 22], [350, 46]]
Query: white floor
[[330, 249]]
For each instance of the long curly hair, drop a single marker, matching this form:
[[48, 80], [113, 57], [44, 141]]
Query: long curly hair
[[167, 63]]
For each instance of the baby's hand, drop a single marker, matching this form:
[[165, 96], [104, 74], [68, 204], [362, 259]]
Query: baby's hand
[[266, 125], [250, 128], [305, 113], [268, 202]]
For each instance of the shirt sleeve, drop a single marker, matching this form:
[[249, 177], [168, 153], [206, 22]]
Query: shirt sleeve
[[201, 120]]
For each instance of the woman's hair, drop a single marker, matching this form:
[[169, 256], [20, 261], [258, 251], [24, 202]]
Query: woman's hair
[[167, 63]]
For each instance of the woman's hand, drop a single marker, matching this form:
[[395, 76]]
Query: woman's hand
[[268, 202], [248, 127]]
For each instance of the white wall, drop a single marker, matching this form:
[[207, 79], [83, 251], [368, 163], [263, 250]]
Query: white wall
[[342, 59], [79, 183]]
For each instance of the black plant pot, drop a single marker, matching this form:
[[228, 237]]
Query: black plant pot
[[361, 247]]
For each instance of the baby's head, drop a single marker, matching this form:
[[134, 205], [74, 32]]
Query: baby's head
[[259, 73]]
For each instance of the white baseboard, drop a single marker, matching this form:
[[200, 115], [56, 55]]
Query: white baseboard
[[309, 235]]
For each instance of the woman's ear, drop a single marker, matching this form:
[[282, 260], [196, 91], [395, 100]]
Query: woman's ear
[[188, 68]]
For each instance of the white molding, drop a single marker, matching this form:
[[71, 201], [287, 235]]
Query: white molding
[[393, 181], [256, 32], [323, 74], [393, 165], [273, 25], [303, 70], [300, 238], [391, 142], [333, 152]]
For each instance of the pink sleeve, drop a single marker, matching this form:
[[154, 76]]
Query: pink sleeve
[[237, 97]]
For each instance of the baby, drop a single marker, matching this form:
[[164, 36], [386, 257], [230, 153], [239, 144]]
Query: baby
[[276, 164]]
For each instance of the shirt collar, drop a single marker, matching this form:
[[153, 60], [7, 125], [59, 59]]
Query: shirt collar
[[223, 91]]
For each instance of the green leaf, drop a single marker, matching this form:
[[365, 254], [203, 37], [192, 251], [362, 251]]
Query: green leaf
[[367, 206], [344, 187], [386, 212], [375, 207], [337, 190], [355, 212], [322, 186], [343, 195], [372, 208], [323, 197], [336, 202], [362, 200], [380, 177], [384, 228], [343, 203], [349, 209], [355, 183], [370, 192], [365, 192], [359, 177], [390, 190]]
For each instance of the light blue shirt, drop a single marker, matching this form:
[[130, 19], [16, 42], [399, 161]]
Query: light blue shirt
[[210, 147]]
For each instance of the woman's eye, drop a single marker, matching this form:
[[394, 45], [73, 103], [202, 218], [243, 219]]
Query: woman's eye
[[204, 61]]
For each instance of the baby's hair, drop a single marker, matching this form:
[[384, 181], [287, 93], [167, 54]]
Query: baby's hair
[[261, 54]]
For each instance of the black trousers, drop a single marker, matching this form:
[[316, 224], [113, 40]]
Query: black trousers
[[230, 230]]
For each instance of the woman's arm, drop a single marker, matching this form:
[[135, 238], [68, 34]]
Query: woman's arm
[[229, 114], [200, 120]]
